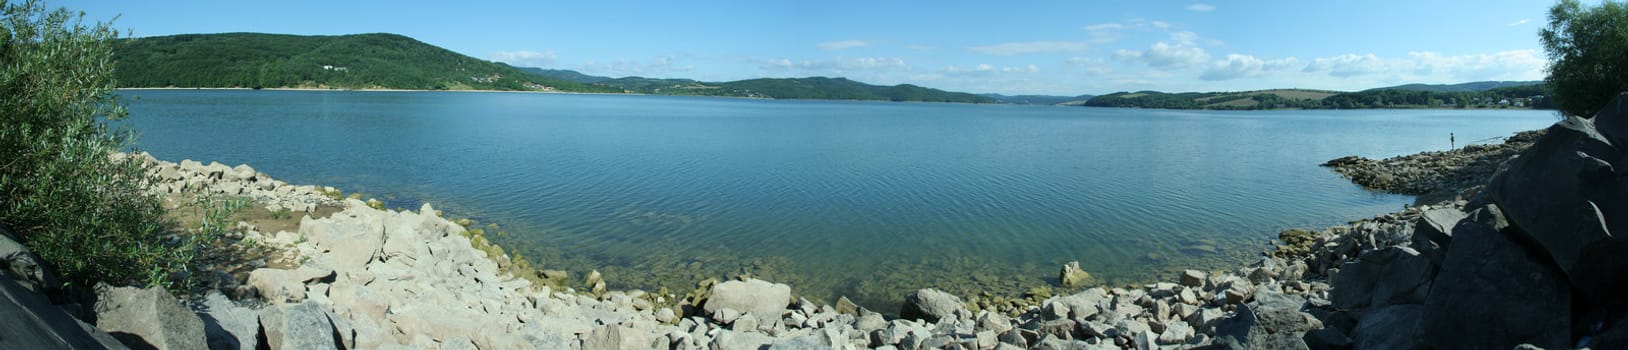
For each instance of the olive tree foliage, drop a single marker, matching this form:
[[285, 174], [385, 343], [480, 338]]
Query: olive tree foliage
[[83, 211], [1588, 52]]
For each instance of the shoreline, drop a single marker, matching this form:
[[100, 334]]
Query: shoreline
[[400, 278]]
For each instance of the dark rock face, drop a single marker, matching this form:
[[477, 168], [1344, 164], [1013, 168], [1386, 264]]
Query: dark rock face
[[29, 321], [1393, 275], [1391, 327], [1559, 193], [148, 318], [1272, 321], [1493, 293]]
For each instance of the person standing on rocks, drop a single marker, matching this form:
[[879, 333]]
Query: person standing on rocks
[[1452, 143]]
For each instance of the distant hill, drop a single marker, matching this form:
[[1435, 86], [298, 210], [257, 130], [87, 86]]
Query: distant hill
[[1259, 99], [812, 88], [1039, 99], [564, 74], [1511, 96], [1463, 87], [359, 61]]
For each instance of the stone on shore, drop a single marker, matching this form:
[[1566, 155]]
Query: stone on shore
[[148, 318], [306, 325], [1492, 293], [753, 296], [1391, 327], [1568, 193], [29, 321], [931, 305], [227, 325], [1393, 275], [1073, 277]]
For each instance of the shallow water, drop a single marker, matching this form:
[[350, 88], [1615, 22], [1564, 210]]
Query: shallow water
[[863, 199]]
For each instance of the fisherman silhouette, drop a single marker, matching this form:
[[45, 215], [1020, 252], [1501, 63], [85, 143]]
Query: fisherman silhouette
[[1451, 142]]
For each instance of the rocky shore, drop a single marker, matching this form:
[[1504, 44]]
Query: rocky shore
[[1434, 176], [1522, 255]]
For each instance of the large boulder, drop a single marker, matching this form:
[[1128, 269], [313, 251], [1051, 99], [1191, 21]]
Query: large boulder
[[148, 318], [348, 239], [29, 321], [1567, 193], [1073, 277], [931, 305], [227, 325], [299, 326], [1393, 275], [1391, 327], [1493, 293], [762, 298], [23, 265], [1272, 321], [278, 285]]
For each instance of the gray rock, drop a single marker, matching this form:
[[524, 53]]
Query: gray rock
[[613, 337], [1493, 293], [350, 239], [298, 326], [1072, 276], [762, 298], [151, 317], [847, 307], [1175, 332], [278, 285], [870, 322], [1390, 327], [731, 340], [1392, 275], [1273, 321], [23, 265], [227, 325], [1437, 224], [930, 305], [29, 321], [1567, 193], [1193, 278], [242, 172]]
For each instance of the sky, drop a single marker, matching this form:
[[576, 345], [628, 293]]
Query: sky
[[1051, 47]]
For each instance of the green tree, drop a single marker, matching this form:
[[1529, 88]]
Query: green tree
[[1588, 48], [86, 213]]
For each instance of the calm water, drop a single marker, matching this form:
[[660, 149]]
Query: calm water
[[861, 199]]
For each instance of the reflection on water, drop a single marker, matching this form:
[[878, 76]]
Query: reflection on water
[[868, 200]]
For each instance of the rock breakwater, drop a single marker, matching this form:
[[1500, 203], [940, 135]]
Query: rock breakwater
[[1434, 176]]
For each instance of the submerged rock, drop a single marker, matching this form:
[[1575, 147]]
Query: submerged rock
[[931, 305], [1073, 277]]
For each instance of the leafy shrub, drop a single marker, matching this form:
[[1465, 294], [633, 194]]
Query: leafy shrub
[[86, 213]]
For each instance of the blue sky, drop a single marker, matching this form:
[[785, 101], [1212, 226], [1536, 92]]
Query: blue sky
[[1054, 47]]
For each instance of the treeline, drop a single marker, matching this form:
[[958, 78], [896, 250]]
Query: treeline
[[253, 60], [1526, 96], [813, 88]]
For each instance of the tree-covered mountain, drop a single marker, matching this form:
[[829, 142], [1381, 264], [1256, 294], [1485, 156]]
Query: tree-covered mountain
[[812, 88], [1039, 99], [1462, 87], [359, 61], [1510, 96]]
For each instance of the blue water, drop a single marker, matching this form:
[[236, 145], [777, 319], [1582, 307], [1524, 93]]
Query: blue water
[[861, 199]]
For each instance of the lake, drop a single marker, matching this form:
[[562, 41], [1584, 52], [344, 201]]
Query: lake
[[864, 199]]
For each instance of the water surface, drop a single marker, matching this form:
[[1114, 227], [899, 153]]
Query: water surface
[[864, 199]]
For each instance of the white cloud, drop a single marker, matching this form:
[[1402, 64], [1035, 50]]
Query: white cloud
[[1519, 22], [987, 69], [1349, 65], [657, 66], [1184, 37], [1029, 47], [1243, 66], [1161, 24], [524, 58], [842, 45], [1201, 7], [921, 47], [1164, 55], [1095, 66], [834, 65], [1506, 65], [1103, 33]]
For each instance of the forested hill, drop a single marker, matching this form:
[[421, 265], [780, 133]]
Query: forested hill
[[358, 61], [1406, 96], [812, 88]]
